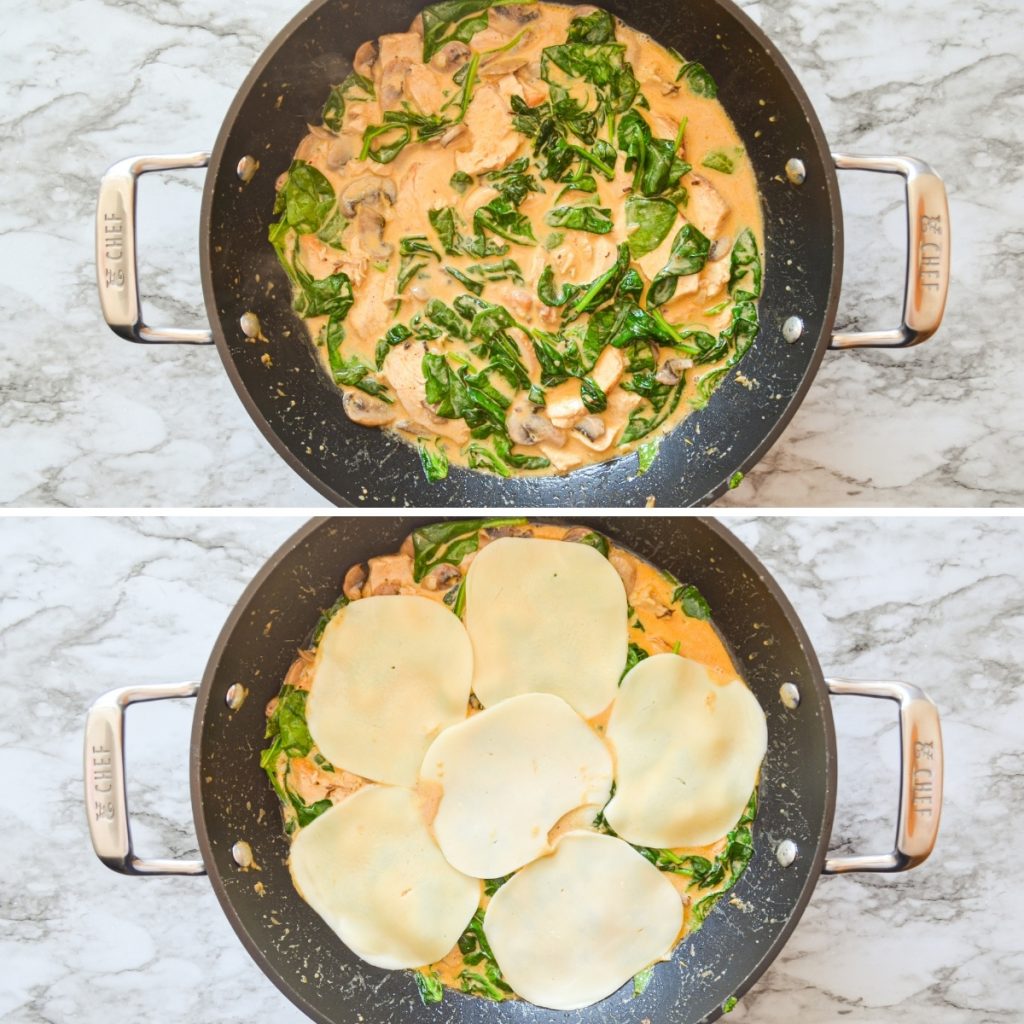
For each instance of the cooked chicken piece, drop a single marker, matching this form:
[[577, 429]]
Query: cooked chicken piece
[[535, 89], [343, 147], [359, 116], [399, 52], [706, 208], [480, 196], [392, 83], [664, 127], [491, 39], [390, 574], [516, 299], [403, 369], [714, 277], [584, 257], [372, 317], [564, 404], [424, 88], [401, 46], [510, 86], [526, 352], [311, 783], [320, 259], [561, 459], [620, 405], [651, 262], [492, 139]]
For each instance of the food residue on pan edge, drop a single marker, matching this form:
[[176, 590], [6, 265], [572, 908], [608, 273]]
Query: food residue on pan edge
[[525, 248]]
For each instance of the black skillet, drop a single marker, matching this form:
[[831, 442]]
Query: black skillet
[[299, 410], [232, 800]]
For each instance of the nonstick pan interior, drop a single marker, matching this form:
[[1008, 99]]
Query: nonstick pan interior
[[300, 411], [233, 801]]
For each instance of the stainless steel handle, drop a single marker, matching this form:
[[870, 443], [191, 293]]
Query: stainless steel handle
[[117, 272], [927, 283], [920, 778], [106, 798]]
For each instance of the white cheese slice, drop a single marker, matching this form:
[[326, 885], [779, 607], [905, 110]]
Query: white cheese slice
[[546, 616], [507, 775], [687, 753], [370, 868], [570, 928], [390, 674]]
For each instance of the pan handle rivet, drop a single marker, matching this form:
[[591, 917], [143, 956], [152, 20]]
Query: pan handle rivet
[[789, 694], [792, 329], [785, 852], [247, 168], [795, 171], [235, 697], [242, 852]]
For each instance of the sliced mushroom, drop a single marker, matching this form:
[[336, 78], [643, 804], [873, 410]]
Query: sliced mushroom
[[489, 533], [719, 248], [365, 409], [355, 579], [672, 371], [591, 427], [501, 65], [528, 427], [441, 577], [451, 56], [576, 534], [341, 150], [366, 57], [387, 589], [516, 15], [369, 189], [369, 228]]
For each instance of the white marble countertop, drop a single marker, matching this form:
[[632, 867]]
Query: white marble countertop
[[95, 603], [89, 420]]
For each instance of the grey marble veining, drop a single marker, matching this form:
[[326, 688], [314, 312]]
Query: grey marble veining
[[91, 604], [90, 420]]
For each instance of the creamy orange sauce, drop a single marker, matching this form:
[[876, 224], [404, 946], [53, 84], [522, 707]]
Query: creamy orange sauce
[[656, 624], [402, 192]]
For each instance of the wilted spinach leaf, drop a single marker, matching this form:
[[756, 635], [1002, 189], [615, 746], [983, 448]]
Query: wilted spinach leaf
[[429, 985], [580, 217], [355, 88], [435, 462], [648, 221], [688, 255]]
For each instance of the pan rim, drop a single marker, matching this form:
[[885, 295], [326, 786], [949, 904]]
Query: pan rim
[[670, 500], [238, 613]]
